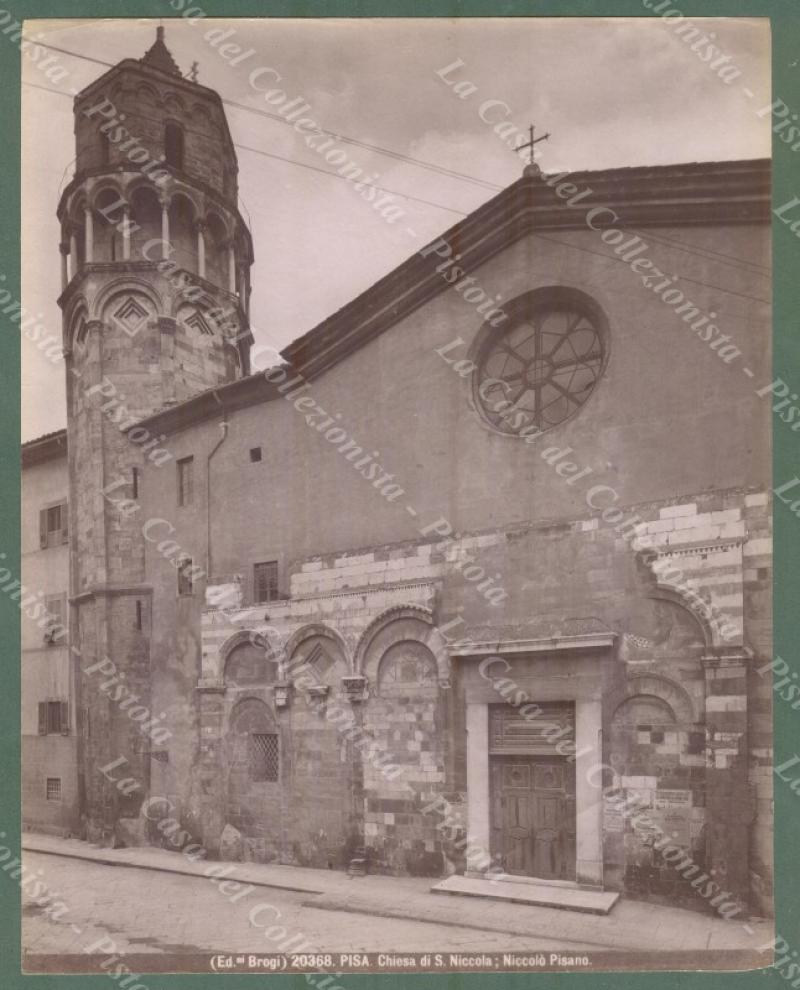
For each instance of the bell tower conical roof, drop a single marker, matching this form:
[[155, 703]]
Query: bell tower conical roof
[[158, 56]]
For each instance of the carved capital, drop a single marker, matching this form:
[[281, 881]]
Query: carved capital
[[281, 693], [356, 688], [166, 324]]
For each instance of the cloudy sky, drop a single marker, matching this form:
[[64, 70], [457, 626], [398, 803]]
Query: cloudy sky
[[611, 92]]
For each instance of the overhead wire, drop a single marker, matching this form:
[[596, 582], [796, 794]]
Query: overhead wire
[[703, 253]]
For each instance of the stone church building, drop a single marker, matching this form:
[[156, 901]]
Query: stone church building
[[473, 578]]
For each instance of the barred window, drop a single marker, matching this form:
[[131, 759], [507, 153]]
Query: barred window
[[53, 789], [265, 581], [264, 759]]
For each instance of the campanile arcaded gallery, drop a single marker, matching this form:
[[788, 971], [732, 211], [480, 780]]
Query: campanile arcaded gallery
[[474, 578]]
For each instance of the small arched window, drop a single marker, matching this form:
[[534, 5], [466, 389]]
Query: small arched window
[[173, 145]]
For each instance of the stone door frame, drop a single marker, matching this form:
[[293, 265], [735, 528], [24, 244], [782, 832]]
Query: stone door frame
[[588, 784]]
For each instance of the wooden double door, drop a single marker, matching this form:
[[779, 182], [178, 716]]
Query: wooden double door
[[533, 815]]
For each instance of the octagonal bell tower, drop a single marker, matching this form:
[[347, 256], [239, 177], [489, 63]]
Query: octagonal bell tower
[[155, 269]]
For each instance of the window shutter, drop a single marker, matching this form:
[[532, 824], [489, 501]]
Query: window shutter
[[64, 718], [64, 524], [42, 718], [43, 528]]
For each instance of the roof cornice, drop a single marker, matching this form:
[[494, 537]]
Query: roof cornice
[[44, 448], [696, 194], [670, 195]]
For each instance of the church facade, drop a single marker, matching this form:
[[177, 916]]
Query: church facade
[[473, 577]]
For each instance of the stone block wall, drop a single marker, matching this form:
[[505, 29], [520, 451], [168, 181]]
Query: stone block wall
[[407, 719], [43, 757], [697, 751], [718, 549]]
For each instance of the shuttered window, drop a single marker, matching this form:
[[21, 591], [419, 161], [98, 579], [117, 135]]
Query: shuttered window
[[56, 628], [53, 789], [53, 525], [265, 581], [53, 718]]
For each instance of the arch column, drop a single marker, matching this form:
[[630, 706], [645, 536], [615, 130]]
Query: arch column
[[231, 269], [588, 792], [201, 249], [126, 232], [165, 244], [73, 254], [63, 249], [730, 798], [478, 827], [209, 770], [89, 234]]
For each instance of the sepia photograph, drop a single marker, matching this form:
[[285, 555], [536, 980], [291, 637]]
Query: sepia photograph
[[396, 495]]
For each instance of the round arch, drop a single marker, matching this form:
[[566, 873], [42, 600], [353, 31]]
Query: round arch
[[657, 686], [310, 631], [687, 600], [240, 638], [77, 324], [182, 199], [396, 625], [407, 666], [76, 305], [117, 286], [107, 189], [75, 213], [146, 91], [171, 101]]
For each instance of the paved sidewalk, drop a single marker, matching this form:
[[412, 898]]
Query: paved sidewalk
[[631, 925]]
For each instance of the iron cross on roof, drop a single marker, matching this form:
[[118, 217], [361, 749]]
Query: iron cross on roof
[[530, 144]]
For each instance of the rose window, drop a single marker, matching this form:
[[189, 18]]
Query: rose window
[[539, 367]]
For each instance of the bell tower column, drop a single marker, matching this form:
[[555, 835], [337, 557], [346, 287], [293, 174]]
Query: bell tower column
[[145, 224]]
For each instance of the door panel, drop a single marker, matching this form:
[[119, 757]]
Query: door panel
[[533, 815]]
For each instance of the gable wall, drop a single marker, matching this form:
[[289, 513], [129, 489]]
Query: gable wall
[[397, 396]]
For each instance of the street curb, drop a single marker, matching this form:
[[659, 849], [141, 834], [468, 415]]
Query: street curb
[[104, 861], [337, 901], [330, 904]]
